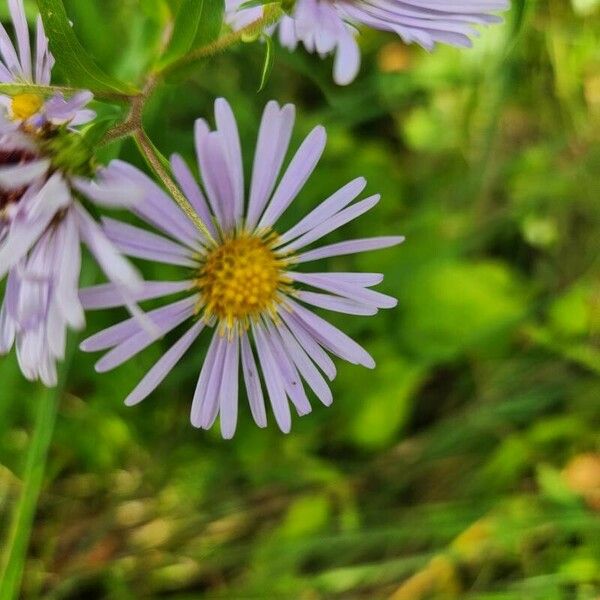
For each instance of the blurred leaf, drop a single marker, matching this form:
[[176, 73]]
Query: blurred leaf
[[211, 22], [185, 29], [454, 307], [268, 62], [76, 64]]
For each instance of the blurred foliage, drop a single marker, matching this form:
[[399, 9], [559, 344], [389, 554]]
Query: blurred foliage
[[467, 465]]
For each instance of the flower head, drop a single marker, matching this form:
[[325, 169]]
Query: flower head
[[46, 166], [19, 65], [242, 280], [328, 26]]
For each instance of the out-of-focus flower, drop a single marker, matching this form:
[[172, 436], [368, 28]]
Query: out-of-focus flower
[[45, 165], [242, 279], [329, 26]]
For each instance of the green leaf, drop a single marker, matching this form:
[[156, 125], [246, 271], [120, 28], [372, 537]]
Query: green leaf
[[269, 61], [211, 23], [13, 89], [185, 29], [74, 61]]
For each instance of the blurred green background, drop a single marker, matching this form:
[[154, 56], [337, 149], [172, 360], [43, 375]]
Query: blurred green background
[[467, 465]]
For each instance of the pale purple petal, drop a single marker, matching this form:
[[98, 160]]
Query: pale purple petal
[[333, 223], [165, 319], [349, 247], [287, 370], [296, 175], [17, 12], [309, 344], [326, 209], [352, 292], [332, 338], [271, 147], [305, 365], [336, 304], [14, 177], [227, 126], [273, 381], [252, 381], [109, 295], [205, 405], [164, 366], [139, 243], [228, 396]]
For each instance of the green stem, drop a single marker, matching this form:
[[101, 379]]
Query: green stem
[[153, 159], [15, 553], [272, 14]]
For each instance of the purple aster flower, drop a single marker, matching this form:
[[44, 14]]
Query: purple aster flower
[[18, 65], [328, 26], [241, 281], [45, 164]]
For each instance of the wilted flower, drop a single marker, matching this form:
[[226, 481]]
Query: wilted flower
[[44, 166], [242, 280], [328, 26]]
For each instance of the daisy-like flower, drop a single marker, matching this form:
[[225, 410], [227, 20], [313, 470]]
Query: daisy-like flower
[[329, 26], [45, 165], [241, 280]]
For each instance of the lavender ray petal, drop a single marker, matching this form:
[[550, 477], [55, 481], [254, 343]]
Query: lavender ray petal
[[326, 209], [349, 247], [139, 243], [253, 385], [273, 381], [108, 295], [299, 170], [164, 366]]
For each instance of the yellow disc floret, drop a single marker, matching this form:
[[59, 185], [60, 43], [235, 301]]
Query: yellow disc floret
[[239, 280], [24, 106]]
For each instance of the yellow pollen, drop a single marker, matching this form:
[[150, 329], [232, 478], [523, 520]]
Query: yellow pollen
[[24, 106], [239, 280]]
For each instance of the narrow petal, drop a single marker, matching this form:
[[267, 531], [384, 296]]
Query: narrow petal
[[273, 140], [299, 170], [205, 405], [228, 397], [119, 333], [109, 295], [116, 268], [326, 209], [139, 243], [275, 385], [165, 320], [336, 304], [17, 12], [164, 366], [332, 338], [305, 365], [349, 247], [15, 177], [309, 344], [228, 127], [288, 372], [352, 292], [252, 381], [333, 223]]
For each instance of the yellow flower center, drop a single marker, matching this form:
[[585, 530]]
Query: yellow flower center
[[24, 106], [240, 280]]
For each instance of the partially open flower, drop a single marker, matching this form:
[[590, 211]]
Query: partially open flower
[[46, 167], [329, 26], [241, 279]]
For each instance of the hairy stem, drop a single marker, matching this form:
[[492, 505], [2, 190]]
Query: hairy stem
[[156, 164], [271, 14]]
